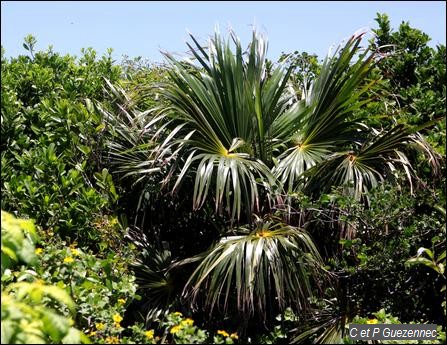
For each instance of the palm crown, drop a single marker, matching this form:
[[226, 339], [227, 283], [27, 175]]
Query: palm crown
[[242, 129], [236, 128]]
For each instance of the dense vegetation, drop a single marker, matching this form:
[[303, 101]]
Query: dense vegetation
[[223, 198]]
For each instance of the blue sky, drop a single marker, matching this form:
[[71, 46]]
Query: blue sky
[[143, 28]]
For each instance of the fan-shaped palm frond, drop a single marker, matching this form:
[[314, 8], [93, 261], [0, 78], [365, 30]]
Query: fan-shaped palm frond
[[322, 119], [236, 178], [228, 104], [376, 160], [132, 136], [274, 264]]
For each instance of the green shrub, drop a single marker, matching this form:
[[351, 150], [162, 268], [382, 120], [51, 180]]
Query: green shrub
[[18, 238], [101, 288], [31, 311], [52, 141]]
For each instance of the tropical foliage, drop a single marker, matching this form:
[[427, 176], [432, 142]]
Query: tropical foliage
[[270, 264], [223, 197], [242, 129], [29, 308]]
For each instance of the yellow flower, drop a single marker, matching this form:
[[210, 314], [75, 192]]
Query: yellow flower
[[68, 259], [116, 325], [176, 329], [74, 244], [121, 301], [234, 336], [75, 252], [100, 326], [373, 321], [92, 333], [177, 313], [117, 318], [24, 323], [223, 333], [38, 251], [149, 334], [187, 322], [112, 340]]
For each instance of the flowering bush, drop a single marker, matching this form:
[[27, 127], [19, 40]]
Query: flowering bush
[[101, 288], [31, 311]]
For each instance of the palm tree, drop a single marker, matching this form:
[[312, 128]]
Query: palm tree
[[238, 131]]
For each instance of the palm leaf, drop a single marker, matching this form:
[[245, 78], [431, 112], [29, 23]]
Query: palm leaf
[[229, 105], [327, 328], [234, 175], [132, 136], [360, 171], [155, 282], [321, 121], [274, 264]]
